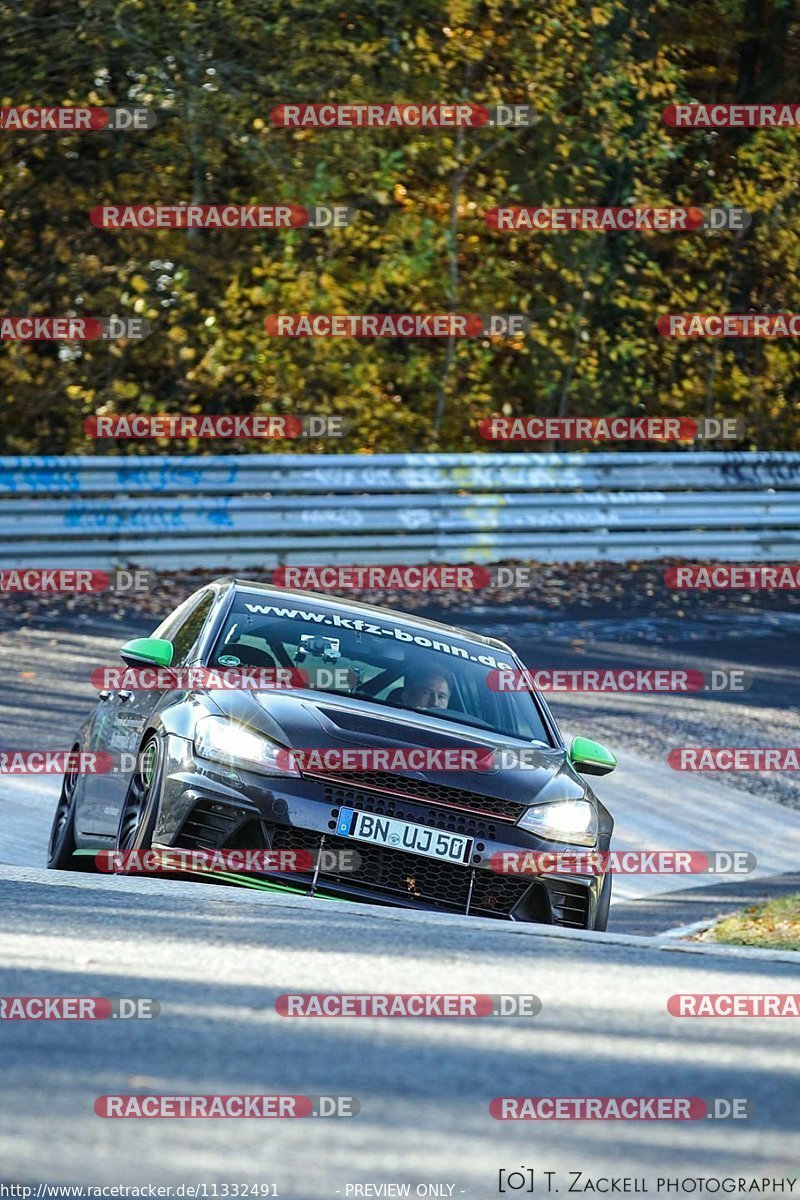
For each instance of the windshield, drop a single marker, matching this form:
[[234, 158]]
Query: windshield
[[380, 660]]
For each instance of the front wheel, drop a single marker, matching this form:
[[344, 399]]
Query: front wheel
[[140, 808], [61, 851]]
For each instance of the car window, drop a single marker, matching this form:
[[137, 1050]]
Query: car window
[[184, 626], [172, 623], [386, 663]]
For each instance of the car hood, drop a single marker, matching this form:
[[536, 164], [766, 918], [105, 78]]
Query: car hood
[[304, 720]]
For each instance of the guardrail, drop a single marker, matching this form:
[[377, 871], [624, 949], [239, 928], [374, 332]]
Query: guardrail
[[236, 511]]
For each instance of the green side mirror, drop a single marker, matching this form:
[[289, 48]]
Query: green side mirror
[[590, 758], [153, 651]]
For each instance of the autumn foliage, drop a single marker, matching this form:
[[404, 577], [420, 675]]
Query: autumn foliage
[[598, 74]]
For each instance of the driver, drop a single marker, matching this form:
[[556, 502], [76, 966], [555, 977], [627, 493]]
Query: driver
[[426, 689]]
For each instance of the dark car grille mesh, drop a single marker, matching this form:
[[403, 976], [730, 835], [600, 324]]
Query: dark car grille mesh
[[449, 819], [411, 876], [432, 793]]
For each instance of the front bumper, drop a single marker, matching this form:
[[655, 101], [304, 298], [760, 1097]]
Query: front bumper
[[209, 807]]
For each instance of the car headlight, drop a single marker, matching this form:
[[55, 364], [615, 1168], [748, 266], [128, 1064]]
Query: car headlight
[[234, 745], [572, 821]]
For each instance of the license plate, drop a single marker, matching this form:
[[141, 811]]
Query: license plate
[[404, 835]]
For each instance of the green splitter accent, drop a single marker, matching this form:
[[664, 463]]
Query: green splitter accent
[[265, 885], [154, 651], [591, 758]]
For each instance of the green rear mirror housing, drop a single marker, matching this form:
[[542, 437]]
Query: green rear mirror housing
[[153, 651], [590, 758]]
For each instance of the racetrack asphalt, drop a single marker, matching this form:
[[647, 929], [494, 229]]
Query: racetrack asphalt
[[217, 958]]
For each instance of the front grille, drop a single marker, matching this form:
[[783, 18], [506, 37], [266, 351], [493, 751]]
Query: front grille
[[449, 819], [410, 876], [432, 793], [394, 874]]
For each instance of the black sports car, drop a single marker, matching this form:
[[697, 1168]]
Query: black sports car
[[213, 768]]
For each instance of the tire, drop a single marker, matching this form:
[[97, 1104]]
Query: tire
[[137, 820], [61, 850], [603, 905]]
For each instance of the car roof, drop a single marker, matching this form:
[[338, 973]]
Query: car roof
[[356, 606]]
